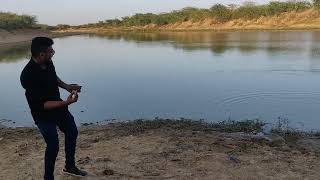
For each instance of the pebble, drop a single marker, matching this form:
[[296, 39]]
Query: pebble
[[108, 172]]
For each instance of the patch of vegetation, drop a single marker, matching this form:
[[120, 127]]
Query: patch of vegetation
[[316, 3], [247, 126], [62, 26], [283, 128], [291, 135], [141, 125], [10, 21], [250, 126], [220, 12], [250, 11]]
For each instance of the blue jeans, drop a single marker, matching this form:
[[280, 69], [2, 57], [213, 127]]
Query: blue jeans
[[48, 130]]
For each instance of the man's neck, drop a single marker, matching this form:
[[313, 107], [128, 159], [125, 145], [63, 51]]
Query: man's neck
[[39, 62]]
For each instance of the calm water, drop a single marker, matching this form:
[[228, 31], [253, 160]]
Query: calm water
[[198, 75]]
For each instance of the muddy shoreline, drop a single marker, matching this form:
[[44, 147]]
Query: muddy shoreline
[[10, 39], [166, 149]]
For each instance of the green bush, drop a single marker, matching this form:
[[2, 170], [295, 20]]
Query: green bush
[[13, 21], [316, 3], [275, 8], [221, 12], [249, 12], [63, 26], [271, 9]]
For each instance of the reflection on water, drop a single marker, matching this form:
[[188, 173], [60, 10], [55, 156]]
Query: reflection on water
[[216, 42], [15, 53], [198, 75], [220, 42]]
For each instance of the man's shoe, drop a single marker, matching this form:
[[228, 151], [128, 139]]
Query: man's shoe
[[75, 172]]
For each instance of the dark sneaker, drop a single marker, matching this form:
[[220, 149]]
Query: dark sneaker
[[75, 172]]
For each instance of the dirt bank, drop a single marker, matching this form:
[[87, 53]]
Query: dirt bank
[[24, 36], [165, 150]]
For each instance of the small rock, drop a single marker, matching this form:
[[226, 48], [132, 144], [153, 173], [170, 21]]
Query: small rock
[[95, 140], [103, 159], [175, 160], [168, 176], [84, 145], [234, 159], [86, 124], [152, 174], [84, 160], [108, 172]]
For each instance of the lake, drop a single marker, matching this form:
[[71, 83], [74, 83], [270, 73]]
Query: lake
[[206, 75]]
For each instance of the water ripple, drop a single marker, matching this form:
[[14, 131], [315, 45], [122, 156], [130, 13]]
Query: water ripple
[[278, 96]]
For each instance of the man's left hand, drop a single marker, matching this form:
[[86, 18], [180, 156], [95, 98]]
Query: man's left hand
[[73, 87]]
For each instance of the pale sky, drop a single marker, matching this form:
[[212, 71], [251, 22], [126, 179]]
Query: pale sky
[[77, 12]]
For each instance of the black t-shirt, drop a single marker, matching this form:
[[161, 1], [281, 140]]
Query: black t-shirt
[[41, 85]]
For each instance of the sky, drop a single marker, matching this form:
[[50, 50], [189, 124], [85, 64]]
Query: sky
[[76, 12]]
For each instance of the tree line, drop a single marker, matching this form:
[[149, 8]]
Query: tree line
[[220, 12]]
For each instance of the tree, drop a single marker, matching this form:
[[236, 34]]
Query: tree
[[221, 12], [14, 21], [316, 3]]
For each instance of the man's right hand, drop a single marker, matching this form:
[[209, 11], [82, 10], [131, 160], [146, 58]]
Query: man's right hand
[[59, 104], [72, 98]]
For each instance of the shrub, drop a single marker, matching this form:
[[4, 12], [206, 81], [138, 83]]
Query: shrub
[[13, 21]]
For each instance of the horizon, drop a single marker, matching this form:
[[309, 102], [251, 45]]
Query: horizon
[[94, 11]]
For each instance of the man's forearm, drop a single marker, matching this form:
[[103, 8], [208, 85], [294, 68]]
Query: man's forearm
[[55, 104], [62, 84]]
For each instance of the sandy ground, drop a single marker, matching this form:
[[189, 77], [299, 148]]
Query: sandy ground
[[166, 151]]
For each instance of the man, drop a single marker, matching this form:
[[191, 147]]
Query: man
[[41, 84]]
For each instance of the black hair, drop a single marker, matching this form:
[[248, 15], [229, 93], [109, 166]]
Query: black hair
[[40, 44]]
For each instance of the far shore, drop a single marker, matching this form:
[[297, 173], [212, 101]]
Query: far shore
[[102, 30], [9, 39], [13, 38], [308, 20]]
